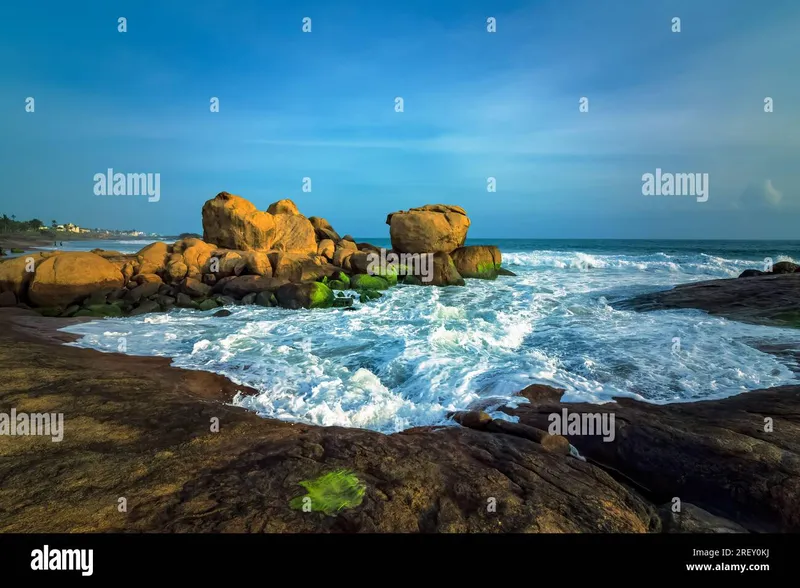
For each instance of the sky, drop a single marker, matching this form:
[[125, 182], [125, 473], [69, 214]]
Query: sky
[[476, 105]]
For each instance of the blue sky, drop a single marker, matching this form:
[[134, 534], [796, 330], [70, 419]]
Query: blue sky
[[477, 104]]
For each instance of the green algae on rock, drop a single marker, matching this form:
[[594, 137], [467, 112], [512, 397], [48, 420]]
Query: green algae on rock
[[367, 282], [330, 493], [305, 295]]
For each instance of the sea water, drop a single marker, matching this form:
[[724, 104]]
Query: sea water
[[417, 353]]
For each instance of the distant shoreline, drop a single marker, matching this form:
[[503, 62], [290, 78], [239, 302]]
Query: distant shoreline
[[31, 241]]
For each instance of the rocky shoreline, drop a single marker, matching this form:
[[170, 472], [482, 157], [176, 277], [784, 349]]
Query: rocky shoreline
[[138, 429], [762, 298], [276, 257]]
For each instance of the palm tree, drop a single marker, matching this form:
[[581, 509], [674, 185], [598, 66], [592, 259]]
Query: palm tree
[[53, 224]]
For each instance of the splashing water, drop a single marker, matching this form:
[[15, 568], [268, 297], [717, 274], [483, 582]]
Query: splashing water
[[410, 357]]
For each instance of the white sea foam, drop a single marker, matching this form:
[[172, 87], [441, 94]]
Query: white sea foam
[[410, 357]]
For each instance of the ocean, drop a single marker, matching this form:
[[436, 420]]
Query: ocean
[[412, 356]]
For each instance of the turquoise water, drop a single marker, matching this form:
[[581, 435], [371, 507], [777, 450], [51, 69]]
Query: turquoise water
[[419, 352]]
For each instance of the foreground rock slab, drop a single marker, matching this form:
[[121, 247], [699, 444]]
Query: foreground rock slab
[[772, 299], [722, 456], [136, 428]]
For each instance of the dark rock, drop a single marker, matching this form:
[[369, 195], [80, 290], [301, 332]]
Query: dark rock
[[95, 298], [693, 519], [249, 298], [472, 419], [220, 284], [100, 310], [785, 267], [368, 295], [195, 288], [164, 301], [767, 299], [718, 455], [7, 298], [144, 291], [145, 307], [185, 301], [223, 312], [501, 271], [749, 273], [359, 262], [207, 304], [241, 286], [555, 443], [368, 248], [117, 294], [342, 302], [305, 295], [266, 298]]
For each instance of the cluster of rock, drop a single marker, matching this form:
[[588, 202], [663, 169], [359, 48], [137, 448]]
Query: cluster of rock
[[273, 258], [782, 267]]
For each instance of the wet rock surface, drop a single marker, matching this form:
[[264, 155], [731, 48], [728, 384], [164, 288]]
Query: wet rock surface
[[772, 299]]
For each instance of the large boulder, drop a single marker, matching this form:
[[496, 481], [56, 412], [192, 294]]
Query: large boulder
[[323, 229], [195, 288], [284, 206], [431, 228], [257, 263], [196, 255], [176, 269], [477, 261], [294, 267], [785, 267], [235, 223], [326, 248], [153, 258], [70, 277], [241, 286], [438, 270], [228, 263], [294, 234], [305, 295], [16, 273]]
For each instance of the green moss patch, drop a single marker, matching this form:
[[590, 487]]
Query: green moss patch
[[367, 282], [320, 296], [791, 318], [330, 493]]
